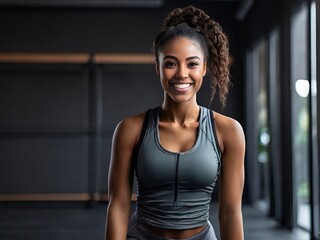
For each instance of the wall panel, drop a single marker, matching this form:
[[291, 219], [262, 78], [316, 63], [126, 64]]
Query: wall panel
[[44, 128], [43, 100], [43, 164]]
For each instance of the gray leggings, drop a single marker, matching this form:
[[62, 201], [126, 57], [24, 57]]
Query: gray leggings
[[137, 231]]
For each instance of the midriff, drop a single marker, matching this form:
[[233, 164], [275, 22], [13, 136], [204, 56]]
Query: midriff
[[175, 233]]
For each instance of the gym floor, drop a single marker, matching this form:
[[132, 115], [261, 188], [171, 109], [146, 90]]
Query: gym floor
[[79, 221]]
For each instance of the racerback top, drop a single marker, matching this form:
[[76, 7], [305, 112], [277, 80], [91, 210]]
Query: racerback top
[[175, 188]]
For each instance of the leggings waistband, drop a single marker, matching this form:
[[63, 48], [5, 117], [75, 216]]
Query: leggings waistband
[[138, 231]]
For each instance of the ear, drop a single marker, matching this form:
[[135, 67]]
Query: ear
[[204, 69], [157, 67]]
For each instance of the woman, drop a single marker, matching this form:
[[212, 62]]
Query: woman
[[179, 149]]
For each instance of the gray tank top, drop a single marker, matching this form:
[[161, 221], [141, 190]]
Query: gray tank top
[[175, 188]]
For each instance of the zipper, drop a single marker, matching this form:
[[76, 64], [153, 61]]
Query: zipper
[[176, 178]]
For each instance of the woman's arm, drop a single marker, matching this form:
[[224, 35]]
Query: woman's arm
[[121, 177], [231, 179]]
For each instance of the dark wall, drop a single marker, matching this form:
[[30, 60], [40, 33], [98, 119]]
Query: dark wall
[[93, 29], [57, 120]]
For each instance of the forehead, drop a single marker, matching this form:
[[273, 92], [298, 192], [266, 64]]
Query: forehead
[[181, 46]]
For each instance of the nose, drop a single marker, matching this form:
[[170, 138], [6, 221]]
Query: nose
[[182, 72]]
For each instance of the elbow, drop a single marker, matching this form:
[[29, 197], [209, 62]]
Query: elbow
[[229, 212]]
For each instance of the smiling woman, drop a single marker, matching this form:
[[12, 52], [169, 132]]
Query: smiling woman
[[181, 66], [179, 149]]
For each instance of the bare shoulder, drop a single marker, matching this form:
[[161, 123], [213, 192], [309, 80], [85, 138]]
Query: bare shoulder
[[129, 128], [227, 124], [229, 131], [132, 122]]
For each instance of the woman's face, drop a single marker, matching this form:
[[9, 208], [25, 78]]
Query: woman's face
[[181, 67]]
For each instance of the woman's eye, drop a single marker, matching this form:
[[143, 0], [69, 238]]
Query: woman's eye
[[169, 64], [193, 64]]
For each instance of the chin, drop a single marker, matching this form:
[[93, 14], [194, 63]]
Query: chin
[[182, 100]]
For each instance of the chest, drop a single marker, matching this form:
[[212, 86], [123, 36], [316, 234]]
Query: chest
[[195, 168], [177, 138]]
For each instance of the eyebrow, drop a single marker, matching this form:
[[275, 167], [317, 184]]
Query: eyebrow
[[188, 58]]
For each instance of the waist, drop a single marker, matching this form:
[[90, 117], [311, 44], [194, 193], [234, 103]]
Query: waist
[[172, 216], [176, 233]]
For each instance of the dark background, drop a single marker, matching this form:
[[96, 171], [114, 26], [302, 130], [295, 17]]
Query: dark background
[[57, 120]]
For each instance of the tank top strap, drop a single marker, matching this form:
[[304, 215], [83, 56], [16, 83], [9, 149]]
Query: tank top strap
[[210, 128], [149, 122], [145, 126]]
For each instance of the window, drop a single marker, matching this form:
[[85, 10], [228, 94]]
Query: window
[[300, 115], [260, 74], [274, 122], [315, 166]]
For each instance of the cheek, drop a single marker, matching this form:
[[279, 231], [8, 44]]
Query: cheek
[[166, 74], [198, 75]]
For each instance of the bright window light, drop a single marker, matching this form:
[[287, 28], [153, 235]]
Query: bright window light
[[302, 87]]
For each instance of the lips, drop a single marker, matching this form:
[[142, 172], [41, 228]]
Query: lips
[[181, 86]]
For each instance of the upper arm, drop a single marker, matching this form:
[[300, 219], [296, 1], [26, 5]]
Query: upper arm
[[121, 168], [232, 165]]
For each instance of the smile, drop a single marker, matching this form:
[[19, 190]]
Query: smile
[[182, 86]]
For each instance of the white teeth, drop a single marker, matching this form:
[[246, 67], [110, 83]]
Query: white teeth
[[182, 86]]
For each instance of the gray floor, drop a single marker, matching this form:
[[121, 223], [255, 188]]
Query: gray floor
[[56, 221]]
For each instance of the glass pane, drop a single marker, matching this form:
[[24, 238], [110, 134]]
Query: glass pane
[[251, 166], [300, 89], [274, 112], [262, 129], [314, 116]]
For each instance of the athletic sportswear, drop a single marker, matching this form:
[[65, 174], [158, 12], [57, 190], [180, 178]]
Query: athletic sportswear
[[174, 188], [138, 231]]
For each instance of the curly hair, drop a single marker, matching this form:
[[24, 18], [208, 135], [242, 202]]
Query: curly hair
[[209, 34]]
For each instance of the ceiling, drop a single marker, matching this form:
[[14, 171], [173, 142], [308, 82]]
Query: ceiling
[[106, 3], [243, 5]]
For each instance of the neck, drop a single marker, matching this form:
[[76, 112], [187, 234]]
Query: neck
[[180, 112]]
